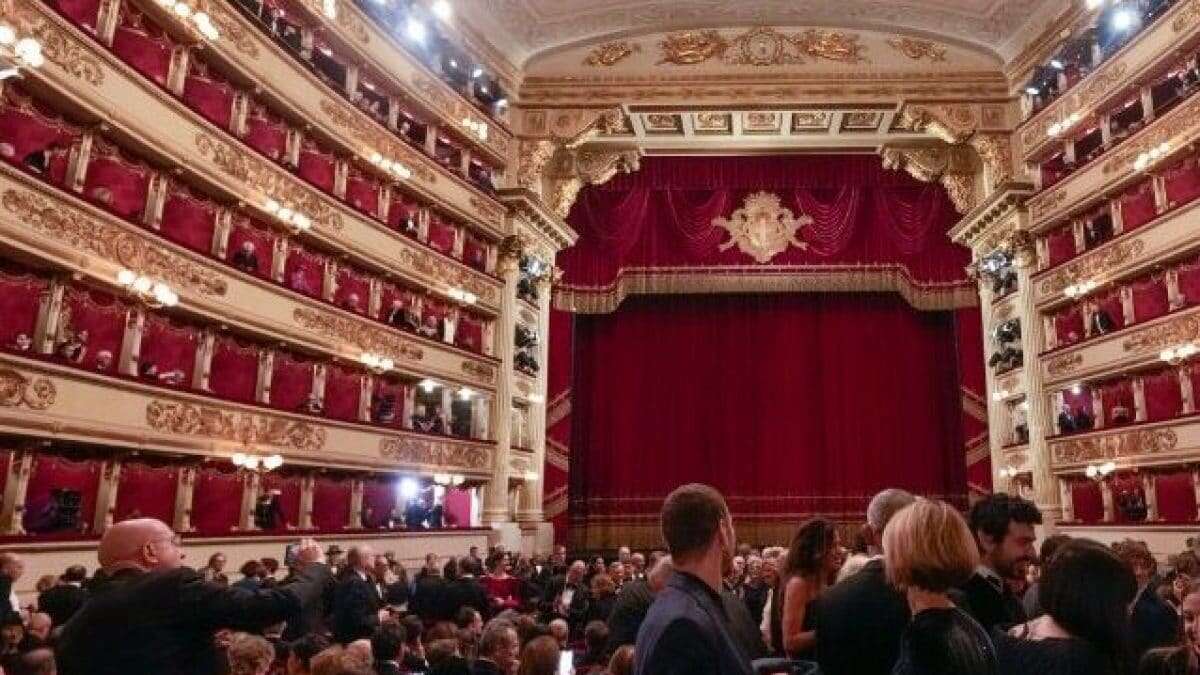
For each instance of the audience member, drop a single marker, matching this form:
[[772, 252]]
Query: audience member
[[11, 569], [499, 649], [621, 662], [302, 651], [387, 648], [1085, 591], [604, 598], [357, 607], [63, 600], [1049, 545], [1153, 622], [36, 662], [337, 660], [463, 589], [1185, 658], [595, 656], [859, 621], [249, 655], [633, 603], [539, 657], [37, 630], [928, 550], [568, 597], [811, 564], [687, 629], [1003, 528], [561, 632], [152, 615]]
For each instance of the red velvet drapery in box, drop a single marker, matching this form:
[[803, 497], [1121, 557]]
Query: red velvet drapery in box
[[1117, 398], [289, 486], [216, 500], [1110, 303], [1068, 325], [304, 271], [1079, 402], [362, 192], [1137, 206], [343, 390], [20, 300], [1150, 298], [143, 45], [331, 503], [146, 491], [234, 371], [104, 318], [115, 182], [475, 252], [266, 133], [54, 472], [1188, 273], [353, 290], [26, 129], [1176, 496], [262, 240], [291, 382], [209, 94], [468, 334], [1182, 182], [788, 404], [441, 235], [1164, 400], [1061, 244], [316, 165], [188, 220], [1087, 500], [169, 347], [83, 13], [379, 500]]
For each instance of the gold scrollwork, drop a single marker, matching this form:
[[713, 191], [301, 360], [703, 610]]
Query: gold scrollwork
[[223, 425], [63, 50], [480, 370], [1100, 84], [1183, 329], [367, 338], [231, 30], [111, 243], [691, 47], [763, 228], [365, 131], [1064, 364], [1178, 122], [611, 53], [1115, 446], [429, 452], [1093, 265], [918, 49], [1188, 16], [1046, 202], [489, 211], [17, 390]]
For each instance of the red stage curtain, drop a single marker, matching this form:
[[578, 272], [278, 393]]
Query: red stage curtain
[[331, 504], [441, 234], [208, 94], [788, 404], [1182, 181], [188, 220], [475, 252], [1068, 325], [83, 13], [351, 282], [343, 390], [103, 317], [1137, 206], [234, 372], [468, 334], [146, 491], [291, 382], [379, 500], [362, 192], [20, 299], [246, 230], [1150, 298], [143, 45], [169, 347], [1111, 303], [1061, 244], [1088, 501], [304, 271], [1188, 273], [216, 501], [1176, 496], [316, 165], [53, 471], [116, 183], [26, 129], [289, 486], [266, 132], [1114, 396], [1163, 397]]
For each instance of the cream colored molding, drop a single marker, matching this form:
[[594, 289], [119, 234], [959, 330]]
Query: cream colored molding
[[1162, 443], [431, 454], [955, 167], [533, 217]]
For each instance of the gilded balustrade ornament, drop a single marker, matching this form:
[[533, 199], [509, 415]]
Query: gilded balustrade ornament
[[918, 49], [691, 47], [235, 427], [1062, 365], [366, 131], [1180, 122], [489, 211], [479, 370], [1099, 84], [1093, 265], [112, 243], [277, 184], [434, 453], [231, 30], [1188, 16], [1114, 446], [1169, 334], [946, 164], [18, 390], [763, 228], [345, 16], [60, 48], [1046, 202], [430, 265], [611, 53], [364, 337]]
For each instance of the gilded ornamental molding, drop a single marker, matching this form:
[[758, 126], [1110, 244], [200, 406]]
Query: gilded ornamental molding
[[1093, 265], [611, 53], [111, 243], [367, 338], [1188, 16], [946, 164], [62, 49], [1114, 446], [366, 131], [762, 227], [761, 46], [231, 30], [916, 49], [479, 370], [1046, 202], [1171, 333], [435, 453], [236, 427], [1185, 121], [1063, 365], [17, 389]]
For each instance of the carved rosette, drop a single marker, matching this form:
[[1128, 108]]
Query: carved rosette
[[1093, 266], [367, 338], [611, 53], [435, 453], [222, 425], [1114, 446], [18, 390], [1155, 338]]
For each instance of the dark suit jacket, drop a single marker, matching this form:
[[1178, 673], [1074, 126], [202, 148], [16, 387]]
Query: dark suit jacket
[[387, 668], [688, 632], [580, 602], [482, 667], [628, 613], [859, 622], [466, 592], [990, 607], [745, 629], [429, 600], [1154, 623], [61, 602], [163, 622], [356, 605]]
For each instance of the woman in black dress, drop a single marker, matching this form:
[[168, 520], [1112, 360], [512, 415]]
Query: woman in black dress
[[928, 549], [1085, 591]]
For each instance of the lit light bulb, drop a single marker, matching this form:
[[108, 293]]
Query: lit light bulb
[[271, 206], [285, 214], [27, 49], [251, 462], [273, 462], [1123, 19], [142, 284], [1032, 91], [465, 394], [416, 31], [238, 459], [409, 488], [442, 10], [301, 221], [428, 385], [126, 277], [8, 34], [182, 10]]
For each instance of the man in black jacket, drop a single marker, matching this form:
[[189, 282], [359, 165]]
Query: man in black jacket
[[633, 603], [357, 606], [859, 620], [1003, 528], [62, 601], [463, 590], [568, 597], [150, 614]]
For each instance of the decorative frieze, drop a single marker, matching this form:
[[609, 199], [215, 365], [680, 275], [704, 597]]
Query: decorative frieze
[[1178, 123], [63, 50], [367, 132], [1169, 334], [367, 338], [1099, 86], [17, 389], [434, 453], [1188, 17], [1046, 202], [1063, 365], [480, 370], [234, 427], [1093, 265], [231, 30], [1114, 446]]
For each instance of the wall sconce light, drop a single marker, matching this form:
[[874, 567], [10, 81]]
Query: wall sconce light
[[185, 12], [1179, 354], [1080, 289], [17, 52], [295, 221], [465, 394], [376, 363], [1062, 127], [1150, 157], [392, 166], [252, 462], [465, 297], [537, 398], [1100, 471], [477, 127], [1009, 472], [154, 294], [531, 476], [427, 385]]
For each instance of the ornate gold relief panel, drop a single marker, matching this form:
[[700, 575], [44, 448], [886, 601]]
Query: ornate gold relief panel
[[19, 390], [434, 453], [234, 427], [1114, 446]]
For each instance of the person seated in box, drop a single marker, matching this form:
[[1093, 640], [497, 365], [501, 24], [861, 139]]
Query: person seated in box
[[429, 421], [352, 303], [246, 258], [22, 342], [104, 359], [1084, 421], [1102, 323], [431, 328], [36, 161], [298, 282], [383, 408], [1066, 420], [173, 377], [312, 405], [410, 226], [73, 346], [1097, 231], [1120, 414], [402, 317]]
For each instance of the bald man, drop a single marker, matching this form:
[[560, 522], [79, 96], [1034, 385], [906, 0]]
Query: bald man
[[357, 605], [150, 614]]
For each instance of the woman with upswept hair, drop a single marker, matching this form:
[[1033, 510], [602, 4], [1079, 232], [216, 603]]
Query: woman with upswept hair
[[810, 566]]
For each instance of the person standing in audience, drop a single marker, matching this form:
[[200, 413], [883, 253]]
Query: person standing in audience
[[755, 589], [357, 607], [539, 657], [859, 620], [214, 571], [811, 564], [387, 649], [1003, 527], [568, 597], [463, 590], [62, 601], [252, 575], [1085, 591], [428, 594], [1185, 658], [152, 615], [499, 649], [1154, 623], [604, 598], [928, 549], [687, 631], [1049, 545], [633, 603], [12, 566]]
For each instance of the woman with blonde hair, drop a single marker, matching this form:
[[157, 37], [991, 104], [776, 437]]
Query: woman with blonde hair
[[928, 550]]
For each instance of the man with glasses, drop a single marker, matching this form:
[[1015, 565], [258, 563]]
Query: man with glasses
[[150, 614]]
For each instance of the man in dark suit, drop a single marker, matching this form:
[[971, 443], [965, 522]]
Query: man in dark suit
[[357, 607], [499, 649], [463, 590], [428, 591], [150, 614], [633, 603], [62, 601], [688, 631], [387, 648], [568, 597], [1153, 622], [859, 620], [1003, 528]]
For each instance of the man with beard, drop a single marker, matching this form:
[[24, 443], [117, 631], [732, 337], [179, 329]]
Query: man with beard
[[1003, 529], [688, 629]]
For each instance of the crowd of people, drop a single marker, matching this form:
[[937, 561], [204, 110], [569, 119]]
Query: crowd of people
[[920, 589]]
